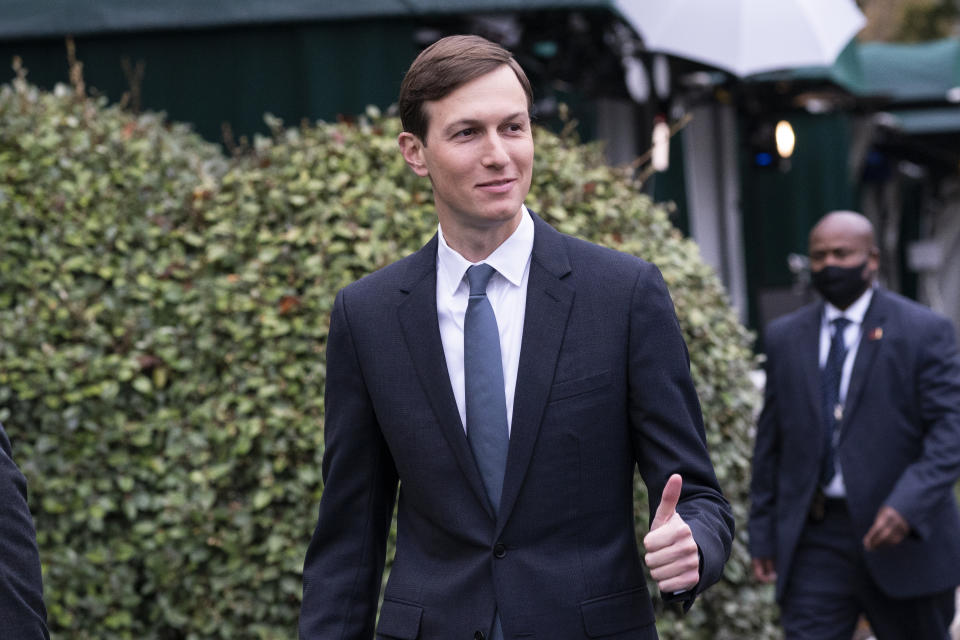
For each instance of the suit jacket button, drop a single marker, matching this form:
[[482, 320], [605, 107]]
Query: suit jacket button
[[499, 550], [479, 635]]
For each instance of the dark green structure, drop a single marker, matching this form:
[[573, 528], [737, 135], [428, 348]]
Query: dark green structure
[[229, 62], [222, 64]]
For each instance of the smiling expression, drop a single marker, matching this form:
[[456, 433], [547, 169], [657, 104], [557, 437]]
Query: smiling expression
[[479, 156]]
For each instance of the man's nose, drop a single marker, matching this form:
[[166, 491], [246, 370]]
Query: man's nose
[[831, 259], [495, 152]]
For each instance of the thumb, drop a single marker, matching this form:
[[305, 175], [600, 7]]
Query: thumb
[[668, 501]]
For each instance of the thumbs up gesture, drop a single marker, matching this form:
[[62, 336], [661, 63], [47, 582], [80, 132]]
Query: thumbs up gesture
[[672, 554]]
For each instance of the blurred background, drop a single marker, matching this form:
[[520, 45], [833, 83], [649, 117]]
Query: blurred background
[[873, 125]]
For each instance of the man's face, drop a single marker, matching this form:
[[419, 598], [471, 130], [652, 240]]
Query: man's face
[[837, 243], [478, 154]]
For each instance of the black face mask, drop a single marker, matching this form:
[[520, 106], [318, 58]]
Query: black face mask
[[840, 286]]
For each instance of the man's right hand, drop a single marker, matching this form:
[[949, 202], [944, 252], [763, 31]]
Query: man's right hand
[[764, 570]]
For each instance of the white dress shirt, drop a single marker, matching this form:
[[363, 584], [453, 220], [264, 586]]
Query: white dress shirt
[[851, 338], [507, 292]]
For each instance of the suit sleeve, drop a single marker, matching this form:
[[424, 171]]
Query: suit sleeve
[[344, 563], [22, 612], [924, 485], [762, 525], [668, 432]]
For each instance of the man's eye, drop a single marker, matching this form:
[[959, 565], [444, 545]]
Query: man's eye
[[464, 133]]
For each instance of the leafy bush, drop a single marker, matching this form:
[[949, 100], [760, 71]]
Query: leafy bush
[[163, 315]]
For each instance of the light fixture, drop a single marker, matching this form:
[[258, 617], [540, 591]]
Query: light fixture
[[786, 139], [660, 157], [637, 80], [661, 76]]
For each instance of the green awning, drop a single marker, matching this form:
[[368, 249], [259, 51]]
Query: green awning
[[23, 19], [846, 72], [917, 72], [926, 121]]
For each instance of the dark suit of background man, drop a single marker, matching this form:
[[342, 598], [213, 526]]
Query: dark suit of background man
[[520, 524], [22, 614], [853, 506]]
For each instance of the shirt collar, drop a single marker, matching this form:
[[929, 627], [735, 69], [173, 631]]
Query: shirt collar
[[509, 259], [855, 312]]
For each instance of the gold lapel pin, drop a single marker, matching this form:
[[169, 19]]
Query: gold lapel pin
[[877, 333]]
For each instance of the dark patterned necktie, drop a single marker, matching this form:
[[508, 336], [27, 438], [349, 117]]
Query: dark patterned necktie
[[830, 378]]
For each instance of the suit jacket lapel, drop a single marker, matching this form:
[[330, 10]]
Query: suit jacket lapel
[[808, 342], [870, 341], [421, 329], [549, 301]]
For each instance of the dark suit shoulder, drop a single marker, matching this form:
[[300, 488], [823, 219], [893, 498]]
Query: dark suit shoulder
[[608, 267], [606, 276], [13, 486], [21, 589], [605, 257], [789, 322], [910, 309]]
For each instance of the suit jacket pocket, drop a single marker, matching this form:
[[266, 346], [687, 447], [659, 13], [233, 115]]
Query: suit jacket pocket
[[399, 620], [617, 612], [580, 386]]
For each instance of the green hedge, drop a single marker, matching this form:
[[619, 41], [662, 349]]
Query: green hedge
[[163, 314]]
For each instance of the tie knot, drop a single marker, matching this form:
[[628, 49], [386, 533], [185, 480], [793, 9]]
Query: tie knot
[[478, 276], [840, 323]]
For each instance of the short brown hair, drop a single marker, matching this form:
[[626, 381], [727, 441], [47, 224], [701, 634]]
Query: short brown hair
[[443, 67]]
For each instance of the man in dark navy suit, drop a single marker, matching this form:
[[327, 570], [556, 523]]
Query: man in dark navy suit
[[857, 453], [510, 379], [22, 613]]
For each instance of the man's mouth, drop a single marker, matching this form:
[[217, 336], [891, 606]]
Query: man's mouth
[[497, 185]]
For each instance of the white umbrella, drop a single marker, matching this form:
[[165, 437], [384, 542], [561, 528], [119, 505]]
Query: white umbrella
[[746, 36]]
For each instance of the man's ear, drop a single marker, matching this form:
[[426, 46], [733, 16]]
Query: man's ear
[[412, 149], [873, 261]]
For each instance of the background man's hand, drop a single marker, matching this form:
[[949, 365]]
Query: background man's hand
[[889, 528], [764, 570], [672, 554]]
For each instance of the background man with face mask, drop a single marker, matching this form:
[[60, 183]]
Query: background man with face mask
[[857, 453]]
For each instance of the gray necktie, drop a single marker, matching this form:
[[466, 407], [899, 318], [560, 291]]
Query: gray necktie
[[486, 405], [485, 399]]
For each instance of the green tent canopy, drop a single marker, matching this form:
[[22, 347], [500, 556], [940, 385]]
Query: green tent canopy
[[46, 18], [917, 72], [898, 72]]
